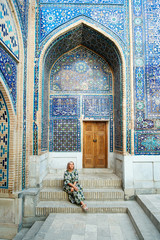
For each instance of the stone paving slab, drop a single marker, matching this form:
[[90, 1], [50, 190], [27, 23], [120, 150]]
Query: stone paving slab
[[142, 224], [89, 227], [151, 206]]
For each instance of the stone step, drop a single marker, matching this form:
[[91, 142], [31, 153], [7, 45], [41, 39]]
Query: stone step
[[58, 222], [33, 230], [55, 194], [44, 208], [86, 180], [21, 234], [86, 171], [151, 206]]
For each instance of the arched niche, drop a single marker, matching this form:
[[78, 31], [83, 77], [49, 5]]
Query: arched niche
[[92, 39]]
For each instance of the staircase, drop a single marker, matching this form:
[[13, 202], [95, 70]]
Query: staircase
[[104, 194], [99, 185]]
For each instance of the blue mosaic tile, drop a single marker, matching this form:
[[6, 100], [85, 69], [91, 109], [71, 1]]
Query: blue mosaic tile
[[52, 17], [8, 68], [147, 143], [137, 7], [4, 143], [97, 106], [84, 1], [64, 107], [64, 135], [81, 70], [8, 34]]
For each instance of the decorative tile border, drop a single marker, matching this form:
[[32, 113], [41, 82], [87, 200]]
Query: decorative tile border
[[4, 142], [8, 67], [8, 34]]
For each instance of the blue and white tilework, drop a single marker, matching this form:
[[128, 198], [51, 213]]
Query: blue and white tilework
[[147, 76], [64, 107], [4, 143], [8, 34], [53, 16], [8, 68], [85, 1], [97, 106]]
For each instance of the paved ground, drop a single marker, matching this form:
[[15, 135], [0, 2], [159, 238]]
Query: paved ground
[[91, 227]]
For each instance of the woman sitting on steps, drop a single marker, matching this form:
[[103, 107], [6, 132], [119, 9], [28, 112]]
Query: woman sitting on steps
[[72, 187]]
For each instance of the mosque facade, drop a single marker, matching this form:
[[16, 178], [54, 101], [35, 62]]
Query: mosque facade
[[79, 80]]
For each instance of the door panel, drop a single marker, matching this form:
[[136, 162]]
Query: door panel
[[95, 145]]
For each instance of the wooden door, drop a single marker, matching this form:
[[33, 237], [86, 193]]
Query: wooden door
[[95, 145]]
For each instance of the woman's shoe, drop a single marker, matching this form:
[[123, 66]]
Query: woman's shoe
[[84, 207]]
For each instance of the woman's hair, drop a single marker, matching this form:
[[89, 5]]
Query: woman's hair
[[69, 163]]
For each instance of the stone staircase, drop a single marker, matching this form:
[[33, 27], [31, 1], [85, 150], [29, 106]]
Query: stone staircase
[[104, 194], [99, 185]]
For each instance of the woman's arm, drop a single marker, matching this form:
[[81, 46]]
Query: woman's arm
[[73, 186]]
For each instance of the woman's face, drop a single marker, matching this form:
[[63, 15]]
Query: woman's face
[[71, 166]]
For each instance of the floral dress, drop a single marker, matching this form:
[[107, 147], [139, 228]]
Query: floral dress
[[71, 177]]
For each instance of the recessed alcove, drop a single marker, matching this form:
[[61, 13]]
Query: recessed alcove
[[103, 48]]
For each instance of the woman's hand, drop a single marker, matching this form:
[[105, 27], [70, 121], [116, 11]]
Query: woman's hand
[[75, 188], [72, 189]]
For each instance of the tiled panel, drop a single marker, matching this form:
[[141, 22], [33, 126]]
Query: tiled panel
[[64, 107], [97, 106], [4, 143], [8, 33], [81, 70], [84, 1], [8, 67], [147, 76], [65, 135], [152, 35], [147, 143]]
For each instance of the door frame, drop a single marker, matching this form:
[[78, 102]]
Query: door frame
[[107, 137]]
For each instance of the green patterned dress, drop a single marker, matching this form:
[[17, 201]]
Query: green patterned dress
[[71, 177]]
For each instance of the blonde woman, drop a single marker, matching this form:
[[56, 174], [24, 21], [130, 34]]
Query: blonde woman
[[72, 187]]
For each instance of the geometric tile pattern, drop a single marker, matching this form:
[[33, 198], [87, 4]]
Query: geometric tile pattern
[[4, 143], [8, 33], [65, 135], [8, 67], [81, 70], [52, 16]]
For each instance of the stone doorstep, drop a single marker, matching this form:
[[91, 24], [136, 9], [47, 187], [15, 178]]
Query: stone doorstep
[[143, 226], [151, 211], [52, 194]]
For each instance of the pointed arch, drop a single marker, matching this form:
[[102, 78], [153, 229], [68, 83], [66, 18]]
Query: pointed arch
[[50, 48]]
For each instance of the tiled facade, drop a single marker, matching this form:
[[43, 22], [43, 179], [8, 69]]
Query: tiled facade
[[82, 71]]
